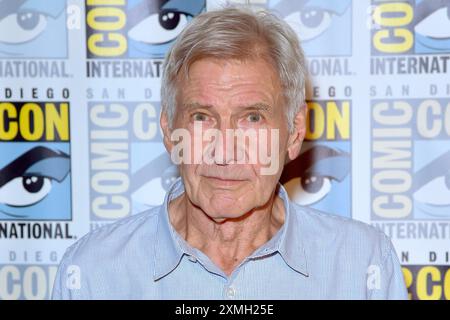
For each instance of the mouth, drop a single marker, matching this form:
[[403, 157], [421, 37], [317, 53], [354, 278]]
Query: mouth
[[224, 181]]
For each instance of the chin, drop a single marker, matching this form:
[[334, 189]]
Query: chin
[[226, 209], [224, 216]]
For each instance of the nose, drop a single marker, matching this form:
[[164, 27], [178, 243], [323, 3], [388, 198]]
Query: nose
[[226, 149]]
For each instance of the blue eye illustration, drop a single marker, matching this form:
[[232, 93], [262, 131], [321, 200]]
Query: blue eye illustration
[[151, 182], [309, 23], [20, 27], [165, 26], [428, 26], [33, 28], [432, 26], [153, 25], [431, 190], [309, 189], [313, 175], [436, 192], [25, 190], [323, 27], [29, 179]]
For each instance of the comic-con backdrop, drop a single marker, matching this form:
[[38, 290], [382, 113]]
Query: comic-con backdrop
[[80, 144]]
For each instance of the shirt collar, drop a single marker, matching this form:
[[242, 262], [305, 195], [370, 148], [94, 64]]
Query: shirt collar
[[169, 247], [167, 250], [292, 245]]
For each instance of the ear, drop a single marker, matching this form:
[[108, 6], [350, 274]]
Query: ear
[[297, 136], [165, 126]]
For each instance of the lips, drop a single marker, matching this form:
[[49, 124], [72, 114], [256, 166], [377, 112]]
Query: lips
[[230, 175], [224, 178], [224, 181]]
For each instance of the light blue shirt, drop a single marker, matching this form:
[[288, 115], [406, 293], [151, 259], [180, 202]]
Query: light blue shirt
[[314, 255]]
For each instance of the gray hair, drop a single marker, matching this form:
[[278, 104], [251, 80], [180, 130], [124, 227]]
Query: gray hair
[[238, 33]]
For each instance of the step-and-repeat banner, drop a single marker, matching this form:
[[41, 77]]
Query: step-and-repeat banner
[[80, 143]]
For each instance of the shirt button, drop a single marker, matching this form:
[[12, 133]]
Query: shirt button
[[192, 259], [230, 292]]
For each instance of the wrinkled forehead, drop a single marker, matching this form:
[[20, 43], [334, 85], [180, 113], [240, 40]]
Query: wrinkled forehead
[[244, 61], [256, 77], [243, 67]]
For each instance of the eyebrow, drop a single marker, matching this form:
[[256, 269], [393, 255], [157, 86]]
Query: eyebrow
[[431, 171], [8, 7], [196, 105], [259, 106], [19, 166], [306, 162], [143, 10], [424, 10], [54, 10]]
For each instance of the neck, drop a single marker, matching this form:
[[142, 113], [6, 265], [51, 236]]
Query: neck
[[227, 242]]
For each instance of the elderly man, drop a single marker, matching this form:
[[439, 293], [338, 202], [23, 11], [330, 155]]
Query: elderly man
[[226, 228]]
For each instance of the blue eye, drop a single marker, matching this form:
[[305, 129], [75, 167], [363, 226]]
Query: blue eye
[[431, 189], [254, 117], [312, 176], [28, 179], [436, 25], [309, 189], [198, 116], [170, 20], [159, 28], [20, 27], [25, 190], [151, 182], [436, 192], [309, 23]]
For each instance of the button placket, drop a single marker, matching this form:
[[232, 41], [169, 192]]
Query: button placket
[[230, 292]]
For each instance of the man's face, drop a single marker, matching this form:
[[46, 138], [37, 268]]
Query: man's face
[[226, 95]]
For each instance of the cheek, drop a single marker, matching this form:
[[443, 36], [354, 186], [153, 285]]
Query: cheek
[[264, 185], [271, 154], [189, 171], [192, 182]]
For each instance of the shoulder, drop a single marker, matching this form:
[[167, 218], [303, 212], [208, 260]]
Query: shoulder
[[93, 267], [352, 238], [115, 239], [345, 253]]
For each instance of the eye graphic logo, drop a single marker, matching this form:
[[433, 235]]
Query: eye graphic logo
[[431, 186], [320, 177], [410, 157], [151, 179], [137, 28], [166, 19], [432, 26], [129, 173], [34, 181], [410, 27], [324, 27], [33, 29], [34, 161]]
